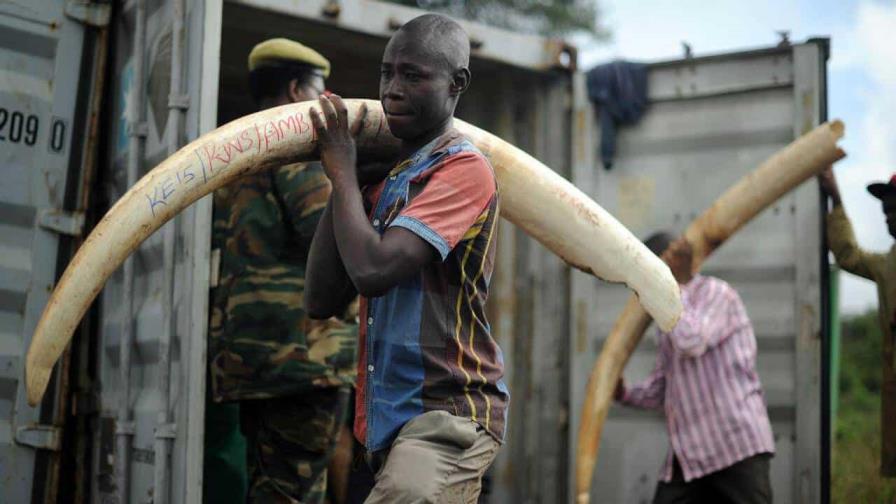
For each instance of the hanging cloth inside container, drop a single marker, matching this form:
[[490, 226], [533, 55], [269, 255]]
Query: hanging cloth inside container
[[619, 90]]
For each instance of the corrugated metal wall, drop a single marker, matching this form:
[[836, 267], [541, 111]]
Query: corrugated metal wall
[[45, 94], [710, 121]]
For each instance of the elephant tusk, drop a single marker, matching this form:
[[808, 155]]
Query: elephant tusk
[[535, 198]]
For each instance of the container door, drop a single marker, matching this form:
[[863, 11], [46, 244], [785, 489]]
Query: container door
[[710, 121], [161, 461], [47, 54]]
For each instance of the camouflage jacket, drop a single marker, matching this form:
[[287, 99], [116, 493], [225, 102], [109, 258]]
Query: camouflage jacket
[[261, 344]]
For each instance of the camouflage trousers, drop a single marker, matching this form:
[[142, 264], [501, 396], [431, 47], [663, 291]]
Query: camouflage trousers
[[290, 441]]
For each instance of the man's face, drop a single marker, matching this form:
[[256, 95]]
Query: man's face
[[889, 207], [415, 89]]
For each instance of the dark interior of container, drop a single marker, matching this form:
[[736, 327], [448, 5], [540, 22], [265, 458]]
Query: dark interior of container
[[355, 59]]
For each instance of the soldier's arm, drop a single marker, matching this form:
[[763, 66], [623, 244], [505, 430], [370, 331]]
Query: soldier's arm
[[842, 242], [303, 191], [328, 288], [841, 238]]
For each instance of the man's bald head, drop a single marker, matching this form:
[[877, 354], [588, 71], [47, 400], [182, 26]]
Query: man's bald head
[[440, 36], [422, 75]]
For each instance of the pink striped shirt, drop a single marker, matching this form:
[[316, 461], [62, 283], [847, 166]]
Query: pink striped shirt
[[705, 381]]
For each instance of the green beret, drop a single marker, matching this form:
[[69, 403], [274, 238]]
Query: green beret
[[278, 50]]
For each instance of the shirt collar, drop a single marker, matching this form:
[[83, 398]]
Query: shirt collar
[[435, 146]]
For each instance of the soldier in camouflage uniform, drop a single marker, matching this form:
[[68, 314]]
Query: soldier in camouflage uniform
[[291, 375]]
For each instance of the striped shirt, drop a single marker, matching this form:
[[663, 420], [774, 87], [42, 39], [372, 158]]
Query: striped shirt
[[705, 381], [426, 344]]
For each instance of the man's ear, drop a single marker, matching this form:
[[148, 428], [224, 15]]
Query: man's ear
[[460, 81], [292, 91]]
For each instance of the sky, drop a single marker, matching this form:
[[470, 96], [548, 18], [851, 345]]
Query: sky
[[861, 80]]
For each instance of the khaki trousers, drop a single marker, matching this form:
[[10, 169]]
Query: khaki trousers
[[437, 458]]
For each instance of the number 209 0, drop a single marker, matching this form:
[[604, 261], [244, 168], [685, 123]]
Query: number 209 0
[[17, 127]]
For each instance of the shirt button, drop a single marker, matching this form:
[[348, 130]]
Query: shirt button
[[369, 320], [393, 177], [376, 222], [370, 368]]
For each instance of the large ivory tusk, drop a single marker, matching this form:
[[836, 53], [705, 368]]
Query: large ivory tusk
[[779, 174], [535, 198]]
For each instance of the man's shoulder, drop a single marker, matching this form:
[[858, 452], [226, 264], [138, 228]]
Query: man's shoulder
[[461, 158], [707, 283], [712, 280], [453, 143]]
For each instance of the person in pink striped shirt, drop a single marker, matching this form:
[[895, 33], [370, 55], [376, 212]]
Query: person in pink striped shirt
[[705, 382]]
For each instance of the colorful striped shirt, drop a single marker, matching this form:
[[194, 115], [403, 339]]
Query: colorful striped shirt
[[426, 344], [705, 381]]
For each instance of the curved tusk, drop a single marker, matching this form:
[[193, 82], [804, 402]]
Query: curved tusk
[[778, 175], [535, 198]]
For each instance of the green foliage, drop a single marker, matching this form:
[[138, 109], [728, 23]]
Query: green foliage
[[546, 17], [855, 475]]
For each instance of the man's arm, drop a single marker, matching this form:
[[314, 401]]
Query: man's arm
[[328, 289], [710, 315], [374, 263], [841, 238], [304, 191], [650, 393]]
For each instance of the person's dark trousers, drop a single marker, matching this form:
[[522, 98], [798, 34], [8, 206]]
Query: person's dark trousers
[[746, 482], [225, 479]]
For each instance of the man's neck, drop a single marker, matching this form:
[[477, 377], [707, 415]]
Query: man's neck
[[409, 147]]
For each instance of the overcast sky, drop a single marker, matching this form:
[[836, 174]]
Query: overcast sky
[[861, 80]]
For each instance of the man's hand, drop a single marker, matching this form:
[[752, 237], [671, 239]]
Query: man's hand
[[336, 140], [828, 184]]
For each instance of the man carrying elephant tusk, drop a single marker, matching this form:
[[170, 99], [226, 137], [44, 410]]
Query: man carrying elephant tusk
[[419, 248]]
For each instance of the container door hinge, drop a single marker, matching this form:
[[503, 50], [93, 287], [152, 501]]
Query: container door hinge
[[62, 222], [137, 129], [166, 431], [125, 428], [41, 437], [179, 101], [89, 13]]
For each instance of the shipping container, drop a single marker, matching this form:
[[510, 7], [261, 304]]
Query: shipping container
[[51, 72], [94, 94], [711, 120]]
